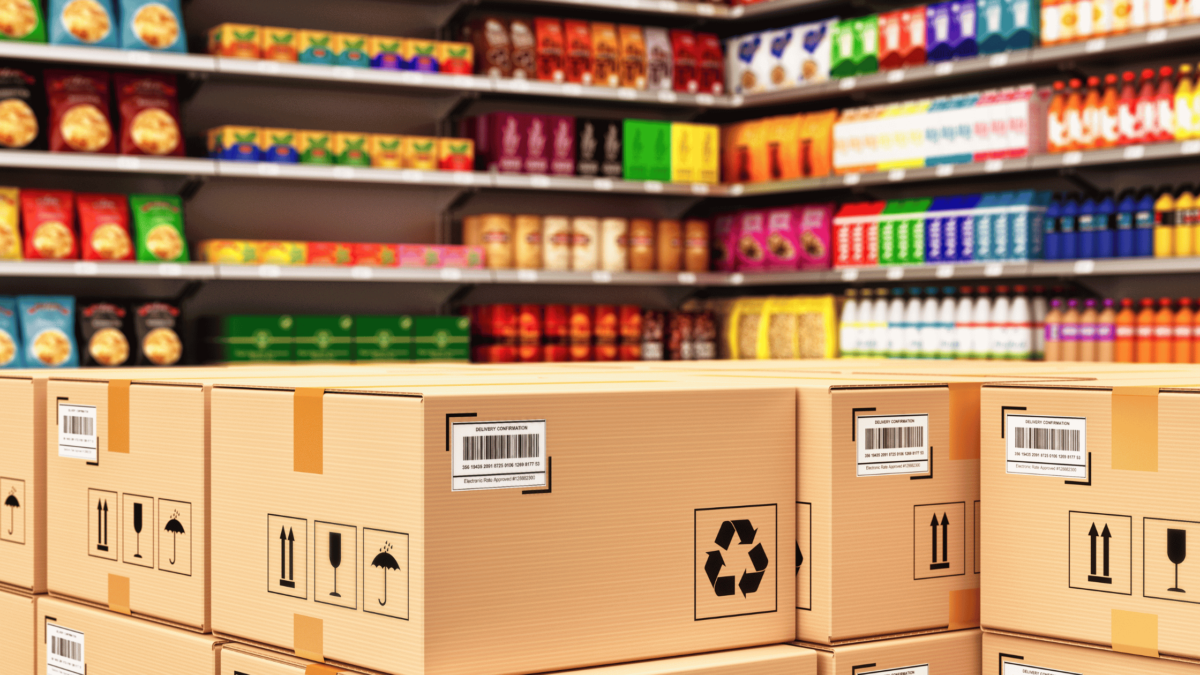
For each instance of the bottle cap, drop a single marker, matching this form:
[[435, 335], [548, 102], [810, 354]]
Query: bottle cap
[[1059, 86], [931, 290], [1165, 71], [1147, 73], [1093, 81], [1147, 302], [983, 290], [965, 290], [1089, 303], [1127, 302], [1128, 76], [1020, 289], [1056, 303], [1164, 302], [1074, 82], [1110, 78], [1073, 303], [1108, 302], [1185, 302], [1002, 290]]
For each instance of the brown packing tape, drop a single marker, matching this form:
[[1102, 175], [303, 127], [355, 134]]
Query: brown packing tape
[[964, 420], [964, 609], [118, 593], [118, 416], [1135, 633], [1135, 428], [307, 430], [321, 669], [308, 637]]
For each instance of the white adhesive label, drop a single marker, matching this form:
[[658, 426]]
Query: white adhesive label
[[64, 651], [906, 670], [892, 445], [77, 431], [1040, 445], [497, 455], [1022, 669]]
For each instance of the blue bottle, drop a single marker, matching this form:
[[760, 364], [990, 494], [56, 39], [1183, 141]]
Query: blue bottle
[[1105, 225], [1052, 247], [1124, 226], [1085, 225], [1068, 228], [1143, 225]]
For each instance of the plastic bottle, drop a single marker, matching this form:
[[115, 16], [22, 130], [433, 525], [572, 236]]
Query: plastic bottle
[[1196, 334], [981, 319], [1068, 228], [1020, 326], [1124, 224], [930, 328], [1056, 126], [1102, 17], [1053, 333], [1164, 223], [1195, 130], [1185, 222], [1068, 24], [848, 329], [998, 340], [1183, 103], [1125, 342], [914, 327], [1184, 321], [1143, 223], [1105, 332], [947, 344], [1147, 108], [964, 323], [1052, 238], [895, 325], [1164, 118], [1129, 131], [1090, 138], [1073, 115], [1109, 111], [1086, 225], [1039, 307], [1105, 226], [1144, 332], [1175, 11], [879, 322], [1164, 331], [1068, 333], [1087, 331]]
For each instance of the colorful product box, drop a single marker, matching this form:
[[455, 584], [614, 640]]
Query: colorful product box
[[386, 151], [375, 255], [647, 150], [350, 148], [441, 338], [782, 239], [330, 253], [902, 38], [418, 255], [866, 44], [750, 60], [537, 144], [463, 257], [658, 59], [504, 134], [1024, 18], [950, 30], [856, 234], [285, 253], [317, 47], [420, 152], [316, 147], [551, 49], [234, 40], [815, 236], [456, 154], [324, 338], [562, 145], [252, 338], [234, 143], [386, 53], [383, 338], [578, 51], [278, 145], [684, 153], [939, 214], [711, 64], [843, 59], [456, 58], [750, 251], [708, 153], [350, 49], [279, 44], [421, 55], [228, 252], [685, 61]]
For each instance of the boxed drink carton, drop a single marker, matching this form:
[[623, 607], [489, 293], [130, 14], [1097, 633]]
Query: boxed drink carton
[[910, 233], [562, 145], [684, 152], [843, 55], [711, 64], [954, 652], [400, 556], [856, 234], [658, 59], [685, 60], [866, 44], [937, 216], [550, 49], [18, 624], [537, 144], [1025, 21]]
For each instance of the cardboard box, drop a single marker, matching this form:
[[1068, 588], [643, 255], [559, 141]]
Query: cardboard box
[[955, 652], [407, 530], [81, 639], [23, 478], [18, 620], [1021, 655]]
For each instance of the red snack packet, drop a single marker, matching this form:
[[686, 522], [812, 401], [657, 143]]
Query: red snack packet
[[330, 253], [683, 44], [549, 33], [149, 115], [555, 333], [580, 332], [375, 255], [79, 111], [529, 333], [104, 227], [712, 64], [578, 62], [48, 217]]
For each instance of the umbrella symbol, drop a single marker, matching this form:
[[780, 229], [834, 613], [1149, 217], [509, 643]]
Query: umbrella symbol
[[175, 528], [11, 502], [385, 560]]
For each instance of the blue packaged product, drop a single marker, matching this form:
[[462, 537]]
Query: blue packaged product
[[1026, 219], [1105, 226], [1052, 247], [964, 228], [156, 25], [1143, 224], [10, 334], [1086, 226], [1068, 228], [935, 229], [1022, 23], [990, 25], [90, 23], [48, 330], [982, 225], [962, 16], [1126, 209], [1001, 226]]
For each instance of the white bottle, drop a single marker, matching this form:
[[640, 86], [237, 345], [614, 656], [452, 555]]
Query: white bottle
[[879, 320], [848, 332], [931, 329], [1039, 306], [964, 317], [947, 343], [981, 319], [1021, 340], [895, 325], [998, 345], [913, 327]]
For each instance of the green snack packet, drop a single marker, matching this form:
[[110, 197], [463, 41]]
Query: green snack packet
[[22, 21], [324, 338], [251, 338], [383, 338], [441, 338], [158, 227]]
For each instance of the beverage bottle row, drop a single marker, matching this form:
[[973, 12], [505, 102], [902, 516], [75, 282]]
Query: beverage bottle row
[[1071, 20], [1107, 226], [1165, 331]]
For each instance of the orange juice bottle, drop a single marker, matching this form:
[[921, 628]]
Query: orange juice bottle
[[1126, 339], [1184, 113], [1091, 115], [1164, 331], [1164, 224], [1185, 320], [1056, 129], [1087, 331], [1196, 335], [1105, 324], [1073, 115], [1070, 331], [1144, 332], [1109, 113]]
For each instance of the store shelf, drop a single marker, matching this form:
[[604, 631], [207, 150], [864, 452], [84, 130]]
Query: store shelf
[[85, 269], [1130, 153], [76, 161], [703, 10], [517, 181], [352, 174], [356, 273], [114, 58], [619, 94]]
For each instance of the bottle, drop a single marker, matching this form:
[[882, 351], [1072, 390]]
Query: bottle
[[1196, 334], [1056, 126], [1020, 326], [1068, 228], [1124, 225], [1105, 225], [1184, 321], [1090, 138], [1143, 224], [1164, 331], [1175, 11], [1086, 225], [998, 333], [1147, 108], [1102, 17], [1087, 331], [1185, 222], [1164, 118], [1125, 342], [964, 316], [1053, 333], [1127, 118], [1068, 332], [895, 325], [1164, 223], [848, 329], [1052, 238], [1144, 332], [1183, 103], [879, 320], [1109, 108], [1106, 332], [913, 326], [1073, 115], [947, 345], [931, 329], [1039, 307], [981, 319], [1195, 129]]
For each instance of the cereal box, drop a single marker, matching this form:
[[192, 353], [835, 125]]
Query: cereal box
[[281, 252], [317, 47], [711, 64], [685, 61], [386, 151], [782, 50], [236, 40], [421, 55], [632, 64], [279, 44], [156, 25], [455, 57], [524, 51], [278, 145], [751, 251], [816, 41], [91, 24], [350, 49], [815, 236], [683, 152], [375, 255], [418, 255], [782, 240], [605, 55], [386, 53], [550, 48], [464, 257], [330, 253], [493, 49], [350, 149], [658, 59], [456, 154], [228, 252], [420, 152], [316, 147], [749, 63], [578, 51]]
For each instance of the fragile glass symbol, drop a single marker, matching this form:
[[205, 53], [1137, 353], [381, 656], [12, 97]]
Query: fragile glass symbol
[[1176, 552], [137, 527], [335, 558], [385, 560]]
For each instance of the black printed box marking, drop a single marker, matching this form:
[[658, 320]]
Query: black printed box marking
[[287, 564], [1100, 552]]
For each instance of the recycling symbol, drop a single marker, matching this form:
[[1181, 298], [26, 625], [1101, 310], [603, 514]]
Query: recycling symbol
[[750, 580]]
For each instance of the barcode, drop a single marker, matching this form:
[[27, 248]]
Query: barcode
[[511, 446], [81, 426], [1047, 439], [895, 437], [65, 648]]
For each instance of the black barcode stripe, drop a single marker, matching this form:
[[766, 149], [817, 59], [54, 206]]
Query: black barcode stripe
[[65, 648], [507, 446], [1047, 439], [81, 426], [895, 437]]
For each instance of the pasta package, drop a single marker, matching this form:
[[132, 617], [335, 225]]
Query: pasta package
[[90, 23], [10, 334], [156, 326], [104, 227], [79, 107], [22, 110], [10, 218], [49, 218], [104, 334], [158, 224], [48, 330], [156, 25], [22, 20], [149, 113]]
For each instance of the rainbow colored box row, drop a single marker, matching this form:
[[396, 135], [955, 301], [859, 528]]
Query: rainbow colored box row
[[245, 41], [349, 148]]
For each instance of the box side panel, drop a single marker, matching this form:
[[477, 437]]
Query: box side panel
[[23, 478], [17, 622], [814, 515], [957, 652], [1011, 655]]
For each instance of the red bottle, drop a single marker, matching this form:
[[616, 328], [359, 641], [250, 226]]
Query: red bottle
[[1147, 109], [1127, 120], [1073, 116], [1109, 114], [1165, 119]]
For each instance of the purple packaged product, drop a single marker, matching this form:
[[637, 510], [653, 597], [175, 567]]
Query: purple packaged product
[[940, 32], [537, 144], [724, 242], [815, 234], [562, 134], [962, 25], [782, 250], [750, 251], [506, 141]]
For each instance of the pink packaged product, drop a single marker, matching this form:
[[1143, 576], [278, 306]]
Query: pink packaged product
[[505, 141], [537, 144], [465, 257], [815, 235], [418, 255], [562, 145], [782, 250], [750, 252], [724, 242]]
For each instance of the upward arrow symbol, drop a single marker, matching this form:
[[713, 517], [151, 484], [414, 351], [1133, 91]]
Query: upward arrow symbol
[[933, 528], [1106, 535]]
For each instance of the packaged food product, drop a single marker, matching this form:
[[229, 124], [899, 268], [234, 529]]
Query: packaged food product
[[10, 218], [240, 338], [537, 144], [684, 60], [235, 40], [104, 333], [605, 57], [562, 145], [580, 333], [816, 144], [455, 57], [866, 43], [82, 22], [284, 253], [683, 152], [647, 150], [556, 243], [350, 49], [385, 150], [503, 136], [751, 253], [421, 55], [750, 63], [386, 53], [228, 252], [471, 235], [22, 20], [555, 333], [22, 109], [524, 49], [278, 145], [843, 58], [240, 144], [316, 147], [456, 154], [680, 341], [578, 61], [316, 46], [816, 41], [641, 245], [816, 236], [669, 245], [782, 249], [614, 244], [527, 242], [585, 243], [48, 330], [496, 230], [441, 338], [152, 24], [375, 255], [708, 153], [550, 48], [11, 354], [633, 56], [350, 148], [104, 227], [279, 44], [420, 152], [529, 333], [464, 257], [158, 226], [48, 217], [156, 328], [418, 255], [704, 336], [724, 242], [658, 59], [330, 253], [629, 320], [149, 114], [604, 333], [653, 328], [324, 337], [591, 146], [382, 338], [79, 109], [695, 245], [493, 49], [710, 64]]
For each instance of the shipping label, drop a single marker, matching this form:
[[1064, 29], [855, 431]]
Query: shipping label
[[64, 651], [906, 670], [77, 435], [1022, 669], [1040, 445], [892, 445], [497, 455]]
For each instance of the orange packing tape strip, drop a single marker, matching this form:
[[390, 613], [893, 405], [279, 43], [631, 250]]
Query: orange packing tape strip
[[964, 420], [308, 637], [1135, 633], [307, 430], [964, 609], [1135, 428], [118, 416], [118, 593], [321, 669]]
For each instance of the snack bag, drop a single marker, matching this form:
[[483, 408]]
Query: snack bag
[[605, 57], [104, 332], [455, 57], [577, 36], [493, 49], [79, 109], [235, 40], [22, 110], [239, 144], [420, 152], [317, 47], [456, 154], [90, 23], [524, 49], [149, 115], [156, 25], [386, 53], [10, 231], [49, 220], [48, 330], [350, 49], [815, 236], [550, 49], [350, 149], [421, 55], [658, 59], [316, 147], [279, 44], [156, 327], [386, 151], [158, 225], [22, 20], [330, 253], [10, 334], [632, 56], [278, 145], [104, 227], [782, 250]]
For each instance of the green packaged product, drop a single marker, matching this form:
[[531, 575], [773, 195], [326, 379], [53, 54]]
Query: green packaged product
[[252, 337], [324, 338], [843, 60], [866, 44], [22, 20], [441, 338], [383, 338], [647, 150], [158, 225]]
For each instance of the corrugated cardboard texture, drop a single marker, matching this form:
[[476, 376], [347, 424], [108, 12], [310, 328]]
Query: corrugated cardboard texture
[[1038, 534], [953, 652], [571, 577], [120, 645], [23, 478], [1011, 655], [18, 619]]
